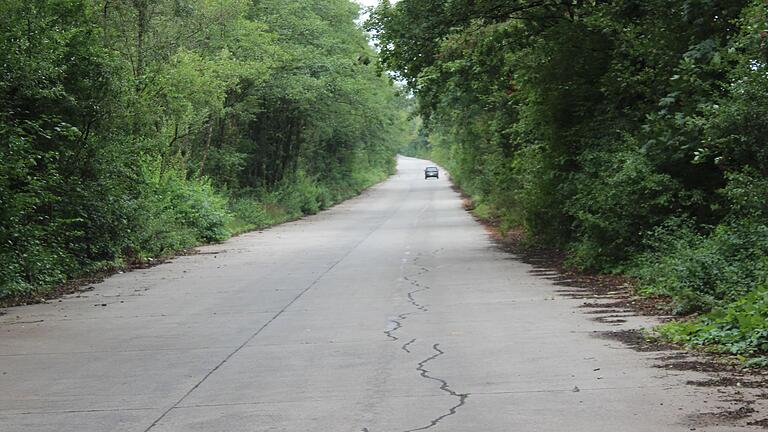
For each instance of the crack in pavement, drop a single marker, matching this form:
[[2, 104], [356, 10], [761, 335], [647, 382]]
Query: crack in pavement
[[398, 324], [421, 366], [420, 288], [444, 386], [416, 304]]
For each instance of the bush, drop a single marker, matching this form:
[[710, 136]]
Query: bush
[[618, 195], [738, 328], [248, 213], [297, 195], [704, 269], [134, 215], [172, 213], [540, 195], [202, 209]]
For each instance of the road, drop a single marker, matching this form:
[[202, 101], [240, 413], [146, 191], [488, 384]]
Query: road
[[392, 312]]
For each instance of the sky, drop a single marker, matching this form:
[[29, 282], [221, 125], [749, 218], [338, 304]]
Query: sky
[[368, 2], [372, 2], [364, 16]]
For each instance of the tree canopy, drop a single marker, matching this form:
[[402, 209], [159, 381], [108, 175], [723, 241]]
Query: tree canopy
[[131, 128]]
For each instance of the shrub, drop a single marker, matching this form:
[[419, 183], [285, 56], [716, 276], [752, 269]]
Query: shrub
[[202, 209], [619, 194], [298, 194], [703, 269], [172, 212], [738, 328], [540, 195], [248, 213]]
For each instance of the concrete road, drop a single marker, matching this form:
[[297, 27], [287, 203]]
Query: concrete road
[[392, 312]]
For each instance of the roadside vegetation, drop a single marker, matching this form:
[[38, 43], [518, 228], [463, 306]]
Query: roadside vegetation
[[133, 129], [631, 134]]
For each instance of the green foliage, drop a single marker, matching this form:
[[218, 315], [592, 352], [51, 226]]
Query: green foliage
[[248, 214], [133, 129], [632, 134], [740, 328], [172, 213], [702, 269], [417, 143], [617, 194], [296, 196]]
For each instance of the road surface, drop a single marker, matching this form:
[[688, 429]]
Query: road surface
[[391, 312]]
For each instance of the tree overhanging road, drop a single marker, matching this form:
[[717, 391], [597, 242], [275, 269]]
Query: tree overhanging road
[[392, 312]]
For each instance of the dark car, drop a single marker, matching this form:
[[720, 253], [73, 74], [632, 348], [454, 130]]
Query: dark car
[[431, 172]]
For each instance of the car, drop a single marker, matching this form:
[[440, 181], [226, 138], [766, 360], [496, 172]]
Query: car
[[431, 172]]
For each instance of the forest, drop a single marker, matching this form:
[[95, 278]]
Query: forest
[[131, 129], [631, 134]]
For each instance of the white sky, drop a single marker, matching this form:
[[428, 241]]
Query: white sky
[[364, 16], [372, 2]]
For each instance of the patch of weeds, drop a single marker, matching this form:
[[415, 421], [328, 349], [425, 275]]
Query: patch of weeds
[[740, 328]]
